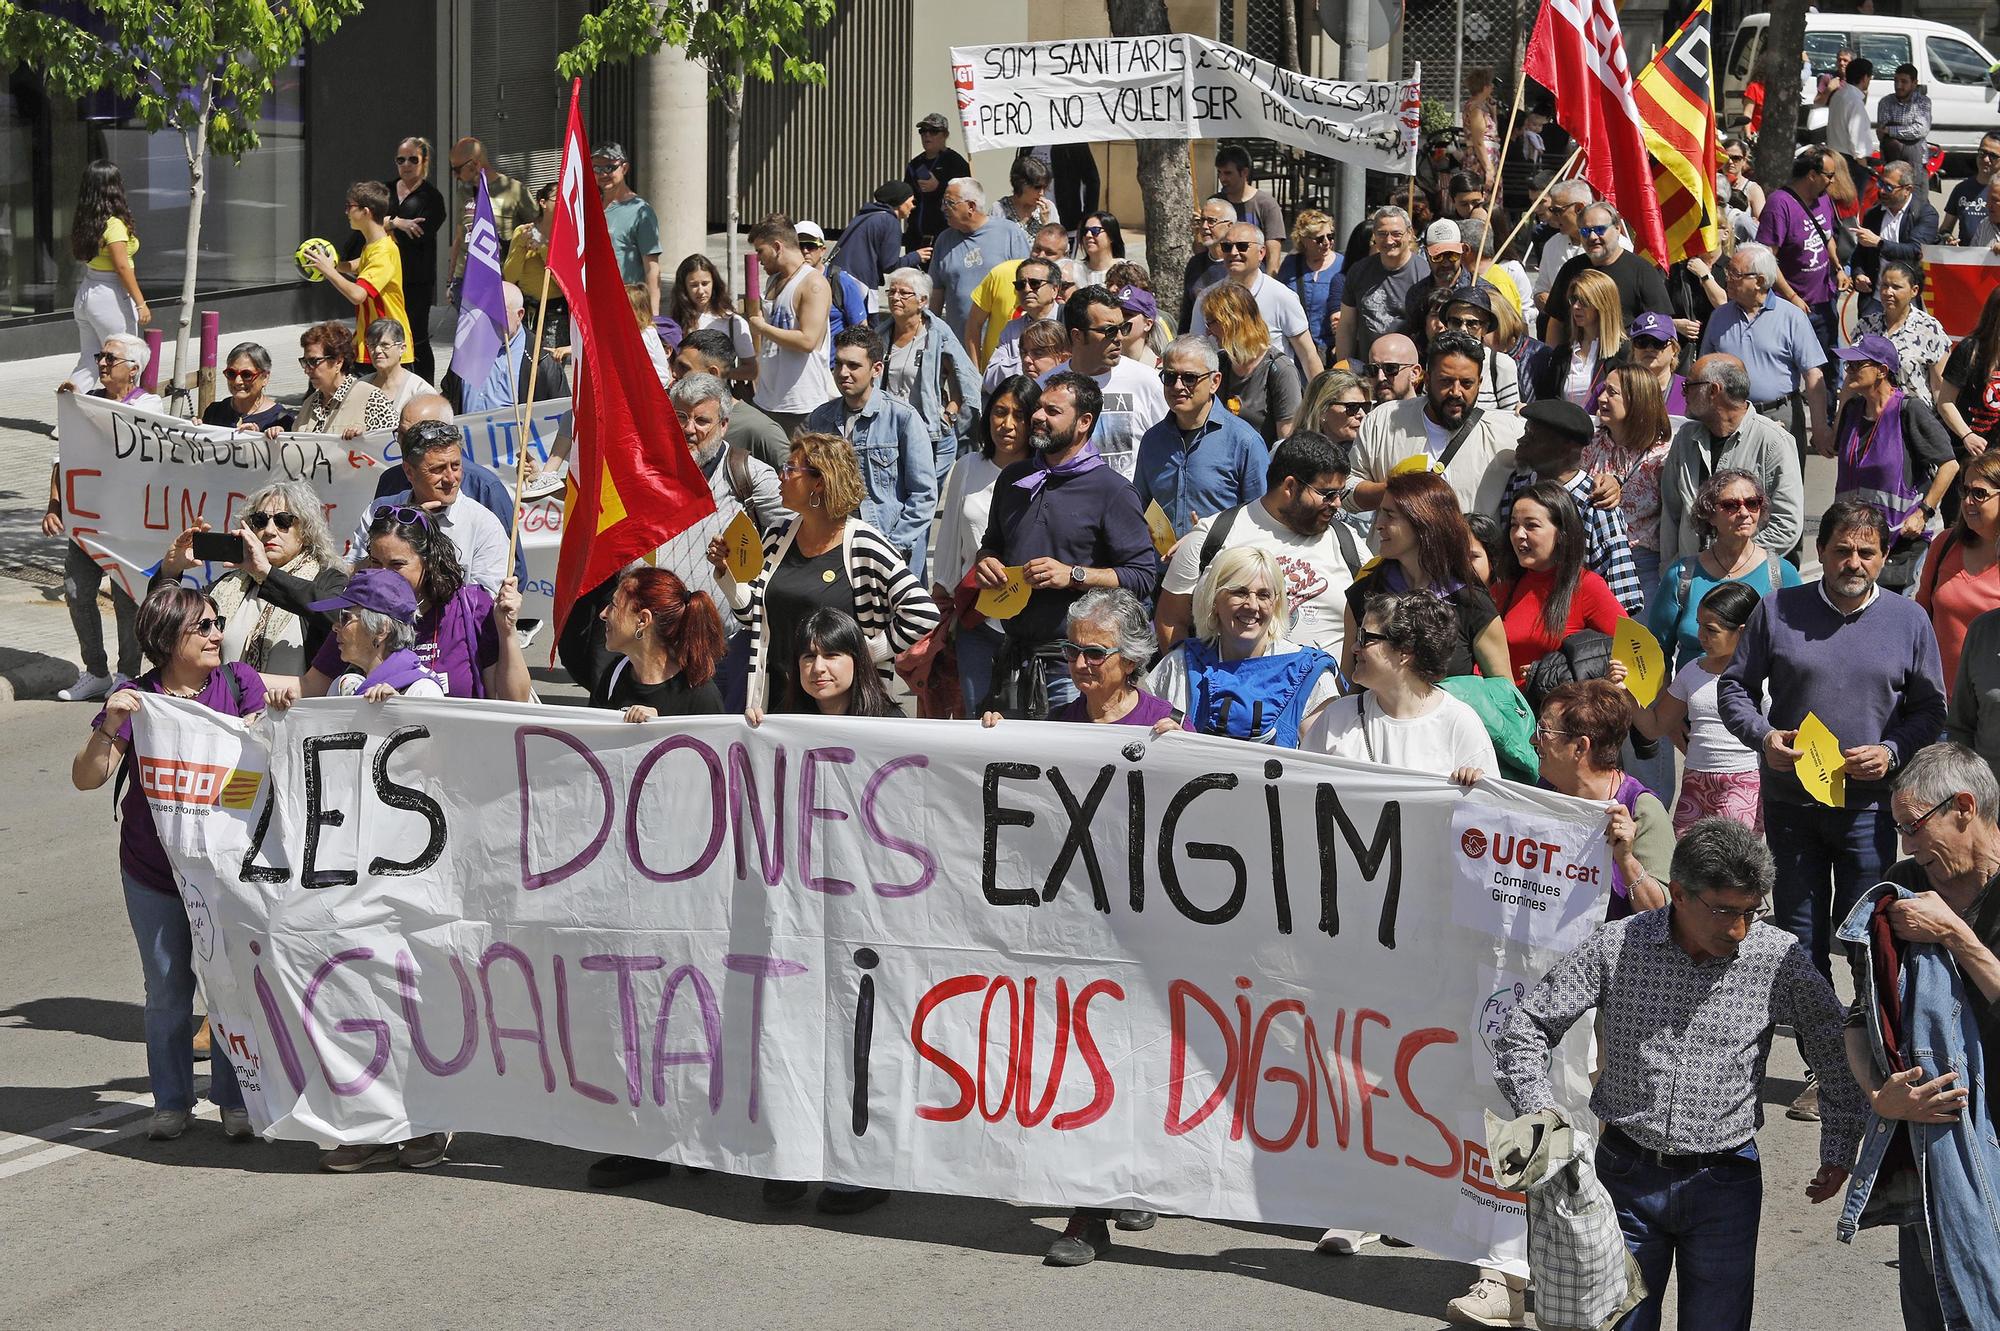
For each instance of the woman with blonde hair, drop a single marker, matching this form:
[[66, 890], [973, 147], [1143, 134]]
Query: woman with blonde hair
[[1239, 676], [826, 558], [1259, 381], [1334, 404], [1591, 333], [649, 333], [1316, 275]]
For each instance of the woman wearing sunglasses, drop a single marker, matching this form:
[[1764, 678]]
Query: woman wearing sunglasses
[[1107, 641], [339, 403], [1100, 243], [1730, 508], [181, 631], [416, 216], [290, 560], [246, 373]]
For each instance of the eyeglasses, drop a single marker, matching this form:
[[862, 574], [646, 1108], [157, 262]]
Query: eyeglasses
[[1093, 231], [1183, 378], [1090, 652], [346, 617], [311, 363], [407, 160], [1989, 155], [1754, 504], [798, 469], [258, 519], [409, 515], [900, 293], [1362, 637], [1909, 829], [396, 345], [606, 169], [1031, 284], [1238, 246], [1588, 232], [1750, 916], [1330, 495], [1316, 238], [1738, 157], [242, 376], [202, 628], [460, 167], [1467, 323], [808, 243], [1110, 330], [1543, 732], [1978, 494], [1351, 410], [1378, 368], [113, 358], [1648, 343]]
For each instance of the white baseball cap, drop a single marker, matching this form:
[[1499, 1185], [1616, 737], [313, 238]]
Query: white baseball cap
[[810, 229], [1443, 235]]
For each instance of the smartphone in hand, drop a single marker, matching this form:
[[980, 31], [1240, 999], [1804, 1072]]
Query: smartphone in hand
[[218, 547]]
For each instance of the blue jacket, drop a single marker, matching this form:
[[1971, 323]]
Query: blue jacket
[[1223, 468], [1957, 1175], [898, 469], [945, 370], [872, 246]]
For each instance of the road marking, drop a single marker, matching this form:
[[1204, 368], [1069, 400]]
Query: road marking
[[97, 1140], [117, 1108]]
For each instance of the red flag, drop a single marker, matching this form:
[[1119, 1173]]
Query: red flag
[[633, 483], [1577, 53]]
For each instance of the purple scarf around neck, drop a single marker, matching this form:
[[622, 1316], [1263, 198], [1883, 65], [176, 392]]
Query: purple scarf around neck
[[399, 670], [1086, 459]]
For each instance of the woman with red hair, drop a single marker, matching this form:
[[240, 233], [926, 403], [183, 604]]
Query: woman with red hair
[[667, 641]]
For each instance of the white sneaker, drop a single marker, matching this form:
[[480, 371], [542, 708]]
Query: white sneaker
[[549, 480], [1346, 1242], [88, 688], [1490, 1302]]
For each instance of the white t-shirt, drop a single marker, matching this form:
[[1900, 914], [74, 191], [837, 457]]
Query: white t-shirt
[[1169, 680], [1281, 309], [1445, 738], [349, 684], [961, 518], [738, 329], [1134, 403], [1316, 573], [1711, 748]]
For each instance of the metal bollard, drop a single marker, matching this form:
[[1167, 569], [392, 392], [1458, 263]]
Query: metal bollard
[[211, 332]]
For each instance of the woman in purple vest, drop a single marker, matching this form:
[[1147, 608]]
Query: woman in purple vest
[[1893, 455]]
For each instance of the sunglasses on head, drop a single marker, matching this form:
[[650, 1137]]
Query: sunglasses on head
[[258, 519], [409, 515], [1090, 652]]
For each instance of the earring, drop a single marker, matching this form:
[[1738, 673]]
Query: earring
[[817, 501]]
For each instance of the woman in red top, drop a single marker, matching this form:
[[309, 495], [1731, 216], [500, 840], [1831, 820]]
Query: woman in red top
[[1961, 577], [1545, 592]]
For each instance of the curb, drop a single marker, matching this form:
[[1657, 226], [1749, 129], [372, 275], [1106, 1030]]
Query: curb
[[32, 676]]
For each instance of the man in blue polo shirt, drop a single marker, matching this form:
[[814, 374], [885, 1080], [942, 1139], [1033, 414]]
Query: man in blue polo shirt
[[1776, 343], [1202, 458]]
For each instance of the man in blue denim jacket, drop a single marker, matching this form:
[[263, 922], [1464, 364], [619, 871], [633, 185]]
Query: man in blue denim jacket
[[891, 446], [1936, 1178]]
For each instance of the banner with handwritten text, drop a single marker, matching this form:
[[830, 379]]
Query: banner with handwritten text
[[1176, 86], [1062, 965]]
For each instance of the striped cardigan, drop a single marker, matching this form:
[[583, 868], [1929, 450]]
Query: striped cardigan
[[892, 607]]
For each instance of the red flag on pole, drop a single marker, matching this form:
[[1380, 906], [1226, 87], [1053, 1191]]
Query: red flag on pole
[[633, 483], [1578, 54]]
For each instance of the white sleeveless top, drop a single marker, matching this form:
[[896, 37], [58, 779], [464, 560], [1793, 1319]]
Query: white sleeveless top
[[794, 382]]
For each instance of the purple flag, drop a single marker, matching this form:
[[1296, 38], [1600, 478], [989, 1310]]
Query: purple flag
[[482, 311]]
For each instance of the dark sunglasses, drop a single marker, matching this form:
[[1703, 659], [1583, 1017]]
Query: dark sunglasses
[[310, 363], [1467, 323], [258, 519], [201, 628], [1390, 368], [244, 376], [112, 358], [1648, 343], [1183, 378], [1351, 410], [409, 515], [1093, 231], [1754, 504], [1032, 284], [402, 160], [1362, 637], [1091, 652], [1239, 246], [1111, 330], [1588, 231]]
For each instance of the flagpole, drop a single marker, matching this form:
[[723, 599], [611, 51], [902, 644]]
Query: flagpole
[[1506, 145], [522, 411], [1561, 175]]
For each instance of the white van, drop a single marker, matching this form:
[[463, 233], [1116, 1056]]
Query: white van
[[1951, 66]]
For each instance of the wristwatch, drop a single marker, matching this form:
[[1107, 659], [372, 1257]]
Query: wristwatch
[[1928, 510], [1076, 572]]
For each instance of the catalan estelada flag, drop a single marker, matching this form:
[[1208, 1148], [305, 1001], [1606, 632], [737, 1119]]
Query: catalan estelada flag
[[1675, 94]]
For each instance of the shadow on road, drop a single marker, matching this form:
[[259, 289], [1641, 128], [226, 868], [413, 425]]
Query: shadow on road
[[105, 1018]]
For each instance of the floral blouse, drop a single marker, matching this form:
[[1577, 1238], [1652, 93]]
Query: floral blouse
[[1921, 342], [1641, 478]]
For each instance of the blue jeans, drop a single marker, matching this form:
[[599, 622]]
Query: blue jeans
[[1701, 1221], [166, 958], [1917, 1280], [976, 649], [1826, 859]]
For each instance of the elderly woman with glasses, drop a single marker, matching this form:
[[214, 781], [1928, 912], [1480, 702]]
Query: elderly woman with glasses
[[339, 402], [1402, 647], [927, 366], [289, 561], [374, 629], [1579, 737], [1334, 404], [1730, 508], [391, 379], [1107, 641], [246, 373], [181, 630]]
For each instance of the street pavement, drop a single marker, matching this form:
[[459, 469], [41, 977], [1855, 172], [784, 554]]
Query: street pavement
[[102, 1228]]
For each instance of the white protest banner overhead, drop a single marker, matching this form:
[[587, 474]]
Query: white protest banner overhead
[[1052, 964], [1176, 86]]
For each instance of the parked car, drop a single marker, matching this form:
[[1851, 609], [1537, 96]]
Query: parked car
[[1952, 66]]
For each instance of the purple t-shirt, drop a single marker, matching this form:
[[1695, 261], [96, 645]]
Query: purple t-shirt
[[457, 640], [1150, 708], [139, 850], [1800, 245]]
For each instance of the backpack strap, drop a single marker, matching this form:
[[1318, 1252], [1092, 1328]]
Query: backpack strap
[[1349, 550], [1939, 548], [1218, 537], [1459, 436]]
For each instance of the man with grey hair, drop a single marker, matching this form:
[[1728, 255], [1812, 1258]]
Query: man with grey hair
[[1603, 247], [1689, 996], [480, 482], [1894, 230], [1202, 457], [1723, 432], [434, 460], [1374, 301], [1945, 803], [1283, 313], [974, 245], [1564, 205], [507, 383], [1777, 345]]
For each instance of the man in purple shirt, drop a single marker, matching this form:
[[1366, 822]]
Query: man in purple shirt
[[1865, 663], [1799, 225]]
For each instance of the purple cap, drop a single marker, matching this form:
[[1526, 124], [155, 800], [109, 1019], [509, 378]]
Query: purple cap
[[1877, 348], [379, 589], [1138, 300], [1655, 325], [669, 331]]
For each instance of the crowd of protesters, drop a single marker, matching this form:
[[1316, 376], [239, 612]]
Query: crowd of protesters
[[1391, 502]]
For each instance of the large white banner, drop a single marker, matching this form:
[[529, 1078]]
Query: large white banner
[[133, 480], [1176, 86], [1064, 965]]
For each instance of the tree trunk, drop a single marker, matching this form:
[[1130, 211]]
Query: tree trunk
[[1164, 180], [732, 137], [1778, 68], [1288, 54], [195, 142]]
